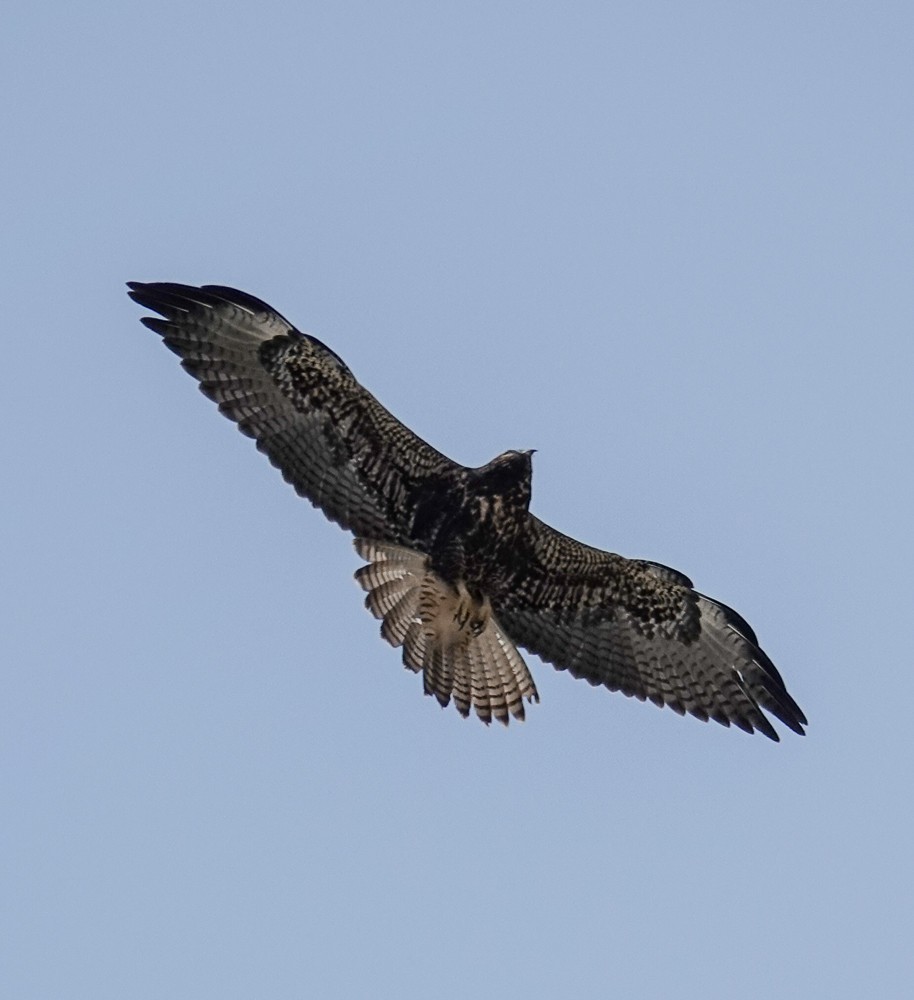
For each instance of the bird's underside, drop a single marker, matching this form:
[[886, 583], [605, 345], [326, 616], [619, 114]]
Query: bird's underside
[[458, 570]]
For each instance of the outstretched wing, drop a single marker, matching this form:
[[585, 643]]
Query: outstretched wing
[[331, 439], [639, 628]]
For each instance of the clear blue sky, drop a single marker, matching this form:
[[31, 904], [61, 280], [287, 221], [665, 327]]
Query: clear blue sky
[[668, 245]]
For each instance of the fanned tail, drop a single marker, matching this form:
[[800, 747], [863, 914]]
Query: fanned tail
[[449, 636]]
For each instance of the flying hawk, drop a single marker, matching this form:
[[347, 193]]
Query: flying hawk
[[458, 570]]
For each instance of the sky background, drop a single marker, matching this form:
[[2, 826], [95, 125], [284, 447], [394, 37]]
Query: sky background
[[670, 246]]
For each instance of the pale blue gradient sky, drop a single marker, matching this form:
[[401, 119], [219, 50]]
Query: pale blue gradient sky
[[668, 245]]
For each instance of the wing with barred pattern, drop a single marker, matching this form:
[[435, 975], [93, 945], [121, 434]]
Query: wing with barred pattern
[[330, 438], [640, 628]]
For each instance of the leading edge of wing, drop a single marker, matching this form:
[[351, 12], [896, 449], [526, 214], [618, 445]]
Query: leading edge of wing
[[221, 336], [640, 628]]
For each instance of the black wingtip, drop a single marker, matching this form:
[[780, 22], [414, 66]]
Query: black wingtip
[[766, 729], [135, 290], [163, 297]]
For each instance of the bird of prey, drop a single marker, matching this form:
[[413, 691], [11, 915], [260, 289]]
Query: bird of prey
[[458, 570]]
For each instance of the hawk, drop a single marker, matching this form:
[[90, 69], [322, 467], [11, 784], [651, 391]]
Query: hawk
[[457, 569]]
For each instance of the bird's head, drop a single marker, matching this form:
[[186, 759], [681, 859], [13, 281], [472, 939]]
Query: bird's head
[[508, 475]]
